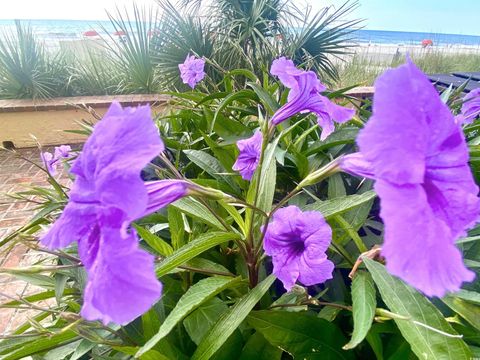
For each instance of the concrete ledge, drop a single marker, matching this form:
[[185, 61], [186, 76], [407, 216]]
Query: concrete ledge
[[47, 120]]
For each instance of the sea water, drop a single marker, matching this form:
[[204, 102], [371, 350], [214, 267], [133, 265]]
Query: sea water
[[52, 31]]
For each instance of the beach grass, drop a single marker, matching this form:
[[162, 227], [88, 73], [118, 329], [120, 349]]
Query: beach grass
[[363, 68]]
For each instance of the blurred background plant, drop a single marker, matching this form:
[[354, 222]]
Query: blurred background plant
[[143, 54]]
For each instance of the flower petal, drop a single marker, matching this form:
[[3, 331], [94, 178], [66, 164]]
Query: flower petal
[[124, 140], [121, 283], [396, 137], [76, 222], [418, 246], [164, 192]]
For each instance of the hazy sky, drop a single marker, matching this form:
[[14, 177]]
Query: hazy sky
[[438, 16]]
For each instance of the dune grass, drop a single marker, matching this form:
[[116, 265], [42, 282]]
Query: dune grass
[[362, 69]]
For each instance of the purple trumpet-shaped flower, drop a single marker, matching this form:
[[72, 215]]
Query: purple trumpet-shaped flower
[[470, 107], [192, 70], [418, 156], [249, 157], [107, 195], [304, 96], [52, 161], [297, 242]]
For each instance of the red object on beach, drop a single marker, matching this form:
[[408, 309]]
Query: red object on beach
[[427, 42], [119, 33], [90, 33]]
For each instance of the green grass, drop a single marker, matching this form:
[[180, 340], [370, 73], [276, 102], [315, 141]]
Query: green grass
[[364, 69]]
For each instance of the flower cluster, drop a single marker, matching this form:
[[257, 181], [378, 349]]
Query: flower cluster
[[53, 161], [412, 147], [418, 156]]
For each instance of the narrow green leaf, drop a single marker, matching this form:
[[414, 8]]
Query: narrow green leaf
[[257, 348], [363, 307], [227, 324], [301, 335], [198, 211], [195, 296], [341, 204], [60, 282], [339, 137], [192, 249], [39, 297], [155, 242], [267, 99], [148, 355], [212, 166], [199, 322], [468, 311], [42, 344], [429, 344], [177, 227]]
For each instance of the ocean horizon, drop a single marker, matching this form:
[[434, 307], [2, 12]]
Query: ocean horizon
[[54, 30]]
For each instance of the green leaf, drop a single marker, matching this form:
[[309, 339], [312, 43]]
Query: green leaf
[[177, 227], [403, 300], [155, 242], [468, 311], [240, 95], [199, 322], [60, 282], [39, 297], [339, 137], [198, 211], [301, 335], [470, 296], [149, 355], [42, 344], [341, 204], [192, 249], [363, 307], [227, 324], [267, 99], [195, 296], [257, 348], [212, 166]]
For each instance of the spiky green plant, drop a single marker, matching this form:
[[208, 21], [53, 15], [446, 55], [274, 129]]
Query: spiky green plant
[[131, 52], [27, 70], [249, 34]]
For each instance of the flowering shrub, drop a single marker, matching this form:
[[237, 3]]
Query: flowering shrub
[[259, 203]]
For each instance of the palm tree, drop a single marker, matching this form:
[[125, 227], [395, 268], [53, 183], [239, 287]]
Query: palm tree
[[249, 34]]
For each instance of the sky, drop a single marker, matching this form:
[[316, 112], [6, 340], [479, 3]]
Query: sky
[[437, 16]]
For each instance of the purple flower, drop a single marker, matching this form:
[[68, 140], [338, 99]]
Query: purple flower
[[304, 96], [297, 242], [49, 162], [470, 107], [164, 192], [63, 152], [192, 70], [52, 161], [419, 159], [107, 195], [250, 150]]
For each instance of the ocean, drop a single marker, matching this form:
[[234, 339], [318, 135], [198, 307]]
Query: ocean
[[51, 31]]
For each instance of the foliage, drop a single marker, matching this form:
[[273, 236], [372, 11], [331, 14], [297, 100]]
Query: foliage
[[219, 301], [364, 67], [27, 70], [249, 35]]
